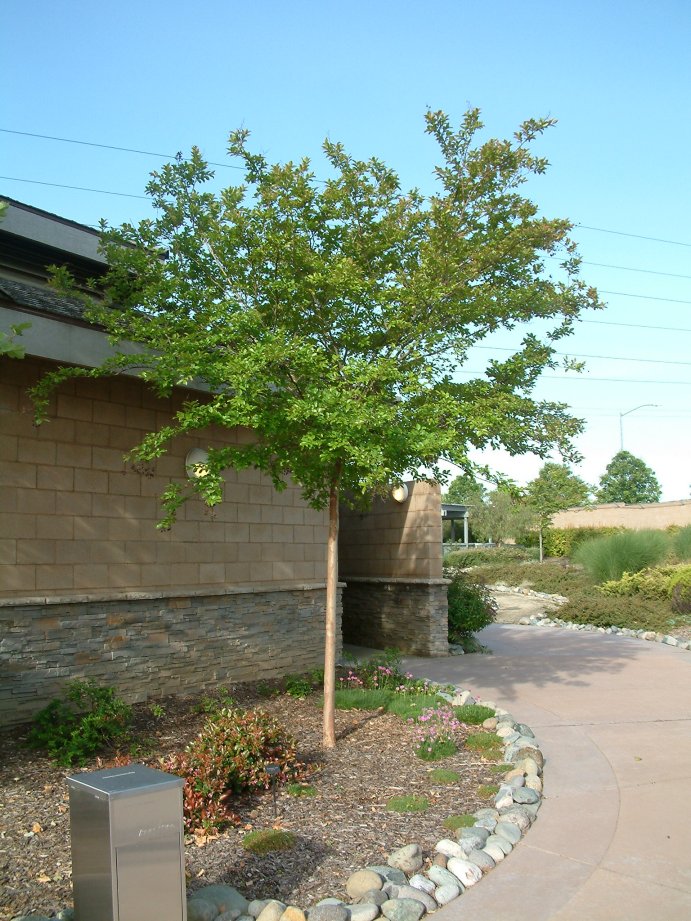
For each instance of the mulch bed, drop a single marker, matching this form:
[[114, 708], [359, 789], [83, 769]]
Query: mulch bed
[[345, 827]]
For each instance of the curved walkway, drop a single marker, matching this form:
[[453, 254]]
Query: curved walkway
[[613, 718]]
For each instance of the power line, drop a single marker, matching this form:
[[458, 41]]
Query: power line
[[134, 150], [588, 379], [153, 153], [636, 236], [626, 268], [645, 297], [668, 329], [652, 361], [76, 188]]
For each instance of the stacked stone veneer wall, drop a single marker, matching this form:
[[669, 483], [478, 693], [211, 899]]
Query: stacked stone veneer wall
[[391, 561], [617, 514], [406, 614], [153, 645]]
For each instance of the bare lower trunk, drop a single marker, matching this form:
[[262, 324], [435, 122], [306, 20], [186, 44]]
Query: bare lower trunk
[[330, 640], [540, 543]]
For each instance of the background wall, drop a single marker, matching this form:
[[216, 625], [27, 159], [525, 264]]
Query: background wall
[[646, 515]]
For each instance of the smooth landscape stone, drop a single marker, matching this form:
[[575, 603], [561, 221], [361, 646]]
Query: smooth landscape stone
[[482, 859], [508, 830], [533, 753], [490, 723], [256, 907], [517, 817], [440, 860], [525, 730], [421, 882], [292, 913], [515, 772], [533, 782], [502, 843], [225, 898], [449, 848], [441, 876], [408, 859], [403, 910], [390, 890], [525, 796], [329, 913], [473, 837], [517, 782], [364, 911], [468, 873], [447, 893], [67, 914], [504, 797], [375, 896], [331, 901], [234, 913], [272, 911], [494, 852], [200, 910], [504, 730], [527, 766], [390, 873], [362, 881], [411, 892], [487, 812], [487, 822]]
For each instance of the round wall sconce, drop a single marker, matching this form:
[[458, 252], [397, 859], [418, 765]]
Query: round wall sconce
[[196, 462], [399, 493]]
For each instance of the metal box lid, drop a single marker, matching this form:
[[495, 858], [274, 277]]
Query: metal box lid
[[124, 781]]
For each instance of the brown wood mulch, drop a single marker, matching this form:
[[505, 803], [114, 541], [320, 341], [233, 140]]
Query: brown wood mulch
[[345, 827]]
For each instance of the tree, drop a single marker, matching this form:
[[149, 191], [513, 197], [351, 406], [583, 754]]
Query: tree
[[465, 490], [555, 488], [330, 318], [503, 515], [628, 479]]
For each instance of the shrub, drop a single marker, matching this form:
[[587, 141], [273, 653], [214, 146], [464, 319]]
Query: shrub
[[563, 542], [229, 756], [266, 840], [479, 556], [454, 822], [680, 591], [486, 743], [629, 551], [435, 731], [89, 719], [298, 686], [442, 776], [632, 611], [473, 714], [408, 803], [681, 543], [471, 607]]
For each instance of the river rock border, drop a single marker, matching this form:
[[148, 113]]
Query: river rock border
[[544, 620], [403, 889]]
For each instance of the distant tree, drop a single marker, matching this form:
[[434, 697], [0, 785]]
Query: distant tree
[[555, 488], [465, 490], [331, 319], [504, 514], [628, 479]]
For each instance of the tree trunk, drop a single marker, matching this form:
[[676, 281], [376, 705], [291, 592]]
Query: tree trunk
[[540, 531], [330, 638]]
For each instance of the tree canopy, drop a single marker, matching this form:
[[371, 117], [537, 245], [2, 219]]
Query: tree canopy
[[555, 488], [331, 317], [628, 479]]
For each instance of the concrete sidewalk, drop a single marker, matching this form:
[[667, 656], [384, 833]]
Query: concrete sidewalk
[[613, 718]]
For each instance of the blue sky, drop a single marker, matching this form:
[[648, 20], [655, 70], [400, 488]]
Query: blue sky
[[162, 76]]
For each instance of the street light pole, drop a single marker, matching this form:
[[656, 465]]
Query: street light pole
[[621, 421]]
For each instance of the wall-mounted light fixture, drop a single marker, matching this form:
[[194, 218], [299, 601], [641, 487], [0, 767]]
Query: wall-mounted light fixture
[[399, 493], [196, 462]]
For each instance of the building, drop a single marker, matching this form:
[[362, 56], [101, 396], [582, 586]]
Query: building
[[90, 588]]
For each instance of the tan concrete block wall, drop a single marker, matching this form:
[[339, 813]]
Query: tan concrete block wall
[[75, 518], [655, 515], [394, 540]]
